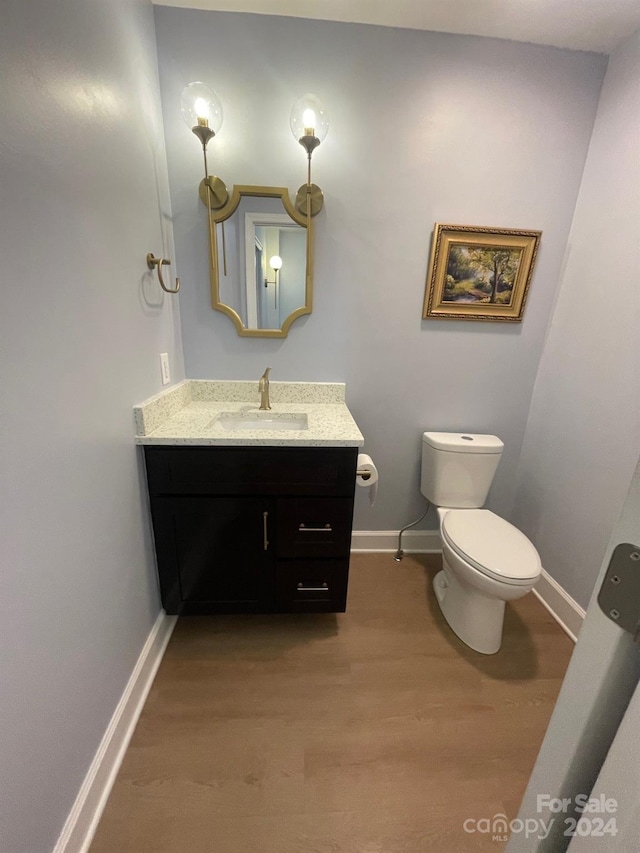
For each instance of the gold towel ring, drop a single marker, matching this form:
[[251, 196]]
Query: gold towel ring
[[152, 262]]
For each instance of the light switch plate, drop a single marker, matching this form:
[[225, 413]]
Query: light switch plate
[[164, 366]]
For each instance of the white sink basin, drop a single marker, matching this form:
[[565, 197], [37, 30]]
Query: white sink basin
[[262, 421]]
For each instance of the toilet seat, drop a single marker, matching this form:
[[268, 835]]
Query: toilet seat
[[491, 545]]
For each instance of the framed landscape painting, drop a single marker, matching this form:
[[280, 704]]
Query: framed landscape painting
[[478, 273]]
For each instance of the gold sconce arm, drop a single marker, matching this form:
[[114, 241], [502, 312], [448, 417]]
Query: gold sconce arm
[[152, 262]]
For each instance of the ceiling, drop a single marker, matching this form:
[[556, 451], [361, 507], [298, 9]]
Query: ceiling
[[598, 25]]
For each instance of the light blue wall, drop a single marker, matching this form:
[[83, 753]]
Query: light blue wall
[[293, 246], [425, 127], [583, 434], [83, 178]]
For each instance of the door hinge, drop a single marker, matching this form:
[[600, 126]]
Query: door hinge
[[619, 596]]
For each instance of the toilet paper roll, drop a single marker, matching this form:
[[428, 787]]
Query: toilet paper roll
[[367, 476]]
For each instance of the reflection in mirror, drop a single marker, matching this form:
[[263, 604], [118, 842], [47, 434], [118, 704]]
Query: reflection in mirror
[[263, 261], [260, 289]]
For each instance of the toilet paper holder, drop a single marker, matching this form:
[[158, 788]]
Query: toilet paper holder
[[367, 476]]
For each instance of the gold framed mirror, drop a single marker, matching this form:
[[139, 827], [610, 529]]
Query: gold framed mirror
[[260, 258]]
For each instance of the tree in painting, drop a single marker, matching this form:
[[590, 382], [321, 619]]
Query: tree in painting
[[481, 274]]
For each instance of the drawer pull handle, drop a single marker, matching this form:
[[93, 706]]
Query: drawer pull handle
[[302, 588], [326, 529], [265, 516]]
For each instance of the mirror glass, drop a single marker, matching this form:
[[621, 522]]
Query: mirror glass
[[261, 254]]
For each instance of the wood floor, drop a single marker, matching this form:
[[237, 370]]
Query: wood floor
[[373, 731]]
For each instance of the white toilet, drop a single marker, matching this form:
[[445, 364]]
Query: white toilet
[[486, 561]]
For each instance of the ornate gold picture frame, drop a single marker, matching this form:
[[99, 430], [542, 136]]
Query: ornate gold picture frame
[[478, 273]]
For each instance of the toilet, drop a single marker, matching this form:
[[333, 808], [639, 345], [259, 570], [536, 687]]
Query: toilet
[[486, 561]]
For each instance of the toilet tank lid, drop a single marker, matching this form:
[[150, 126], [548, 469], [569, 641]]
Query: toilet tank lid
[[463, 442]]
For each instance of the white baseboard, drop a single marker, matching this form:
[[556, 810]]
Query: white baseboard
[[80, 826], [567, 612], [413, 541]]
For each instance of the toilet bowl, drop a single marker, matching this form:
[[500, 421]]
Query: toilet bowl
[[486, 562]]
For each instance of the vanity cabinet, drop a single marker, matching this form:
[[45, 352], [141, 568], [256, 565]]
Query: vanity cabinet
[[252, 529]]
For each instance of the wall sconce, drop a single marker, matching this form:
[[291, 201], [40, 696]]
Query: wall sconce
[[275, 262], [309, 124], [202, 112]]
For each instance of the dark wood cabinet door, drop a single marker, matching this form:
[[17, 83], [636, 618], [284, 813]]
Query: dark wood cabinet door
[[215, 553]]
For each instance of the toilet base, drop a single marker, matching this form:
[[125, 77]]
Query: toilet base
[[475, 618]]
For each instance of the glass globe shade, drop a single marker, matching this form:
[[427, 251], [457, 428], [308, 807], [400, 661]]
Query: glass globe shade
[[200, 105], [309, 118]]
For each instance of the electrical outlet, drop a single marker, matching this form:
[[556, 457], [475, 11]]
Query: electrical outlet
[[164, 367]]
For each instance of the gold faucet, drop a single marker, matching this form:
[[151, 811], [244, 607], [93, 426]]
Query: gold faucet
[[263, 388]]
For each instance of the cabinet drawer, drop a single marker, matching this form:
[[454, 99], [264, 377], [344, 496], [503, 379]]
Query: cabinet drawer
[[251, 470], [313, 586], [314, 527]]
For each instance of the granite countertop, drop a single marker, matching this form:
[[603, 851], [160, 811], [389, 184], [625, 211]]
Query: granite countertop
[[189, 414]]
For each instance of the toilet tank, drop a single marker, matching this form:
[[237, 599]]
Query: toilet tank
[[458, 468]]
